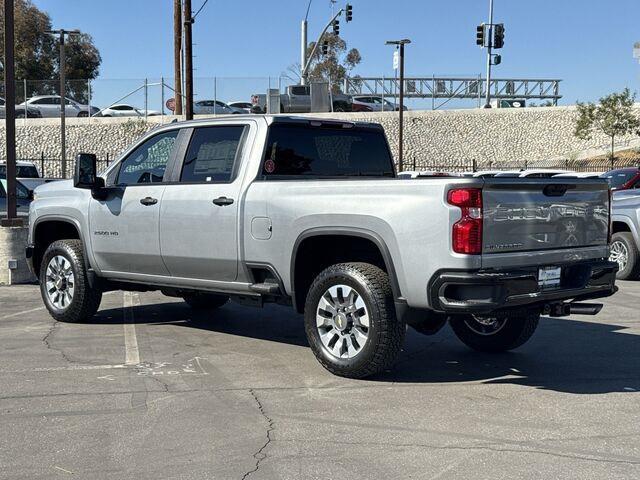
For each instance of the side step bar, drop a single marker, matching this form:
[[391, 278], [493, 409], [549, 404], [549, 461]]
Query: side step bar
[[265, 288]]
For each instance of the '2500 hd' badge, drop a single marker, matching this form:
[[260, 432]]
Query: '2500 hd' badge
[[104, 233]]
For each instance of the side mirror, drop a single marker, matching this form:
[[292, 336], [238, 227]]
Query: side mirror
[[86, 175]]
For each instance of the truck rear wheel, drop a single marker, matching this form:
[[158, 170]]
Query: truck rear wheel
[[625, 253], [205, 301], [350, 320], [64, 284], [496, 333]]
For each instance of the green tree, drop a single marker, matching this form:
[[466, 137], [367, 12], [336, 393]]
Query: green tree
[[613, 116], [332, 67], [37, 54]]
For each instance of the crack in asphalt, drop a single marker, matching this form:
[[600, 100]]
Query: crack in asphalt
[[47, 341], [260, 455]]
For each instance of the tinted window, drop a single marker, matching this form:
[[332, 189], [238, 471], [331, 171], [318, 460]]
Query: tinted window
[[303, 151], [299, 91], [212, 154], [618, 178], [21, 190], [22, 171], [147, 163]]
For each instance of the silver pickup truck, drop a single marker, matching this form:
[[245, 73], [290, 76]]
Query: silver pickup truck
[[625, 241], [310, 213]]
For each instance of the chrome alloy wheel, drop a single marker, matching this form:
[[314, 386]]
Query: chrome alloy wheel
[[60, 282], [485, 325], [619, 254], [342, 320]]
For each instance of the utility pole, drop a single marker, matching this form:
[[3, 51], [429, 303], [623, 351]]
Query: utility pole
[[188, 61], [303, 43], [62, 67], [487, 103], [12, 219], [177, 55], [400, 44]]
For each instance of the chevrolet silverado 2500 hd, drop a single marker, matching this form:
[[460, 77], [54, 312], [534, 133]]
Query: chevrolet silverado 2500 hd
[[310, 213]]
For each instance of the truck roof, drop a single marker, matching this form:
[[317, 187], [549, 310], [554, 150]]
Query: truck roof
[[271, 119]]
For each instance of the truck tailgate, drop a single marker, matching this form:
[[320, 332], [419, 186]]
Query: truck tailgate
[[527, 214]]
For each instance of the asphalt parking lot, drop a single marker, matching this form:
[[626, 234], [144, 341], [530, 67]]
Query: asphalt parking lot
[[149, 390]]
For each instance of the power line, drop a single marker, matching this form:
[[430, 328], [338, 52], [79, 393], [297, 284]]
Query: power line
[[199, 10]]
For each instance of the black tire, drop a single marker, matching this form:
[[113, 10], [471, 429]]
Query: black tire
[[205, 301], [83, 114], [516, 328], [86, 300], [631, 271], [385, 331]]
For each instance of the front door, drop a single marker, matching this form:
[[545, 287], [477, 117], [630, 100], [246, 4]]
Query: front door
[[124, 226], [199, 215]]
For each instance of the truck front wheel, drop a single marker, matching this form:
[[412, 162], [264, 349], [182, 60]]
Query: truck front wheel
[[64, 284], [350, 320], [496, 333]]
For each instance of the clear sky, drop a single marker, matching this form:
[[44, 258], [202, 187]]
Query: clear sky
[[586, 43]]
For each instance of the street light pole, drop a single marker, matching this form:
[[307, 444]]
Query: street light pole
[[12, 219], [400, 44], [303, 44], [63, 65], [487, 103]]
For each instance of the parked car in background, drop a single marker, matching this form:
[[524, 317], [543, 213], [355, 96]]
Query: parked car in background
[[623, 178], [25, 196], [374, 104], [27, 173], [244, 106], [533, 173], [20, 111], [124, 110], [625, 241], [214, 107], [49, 106], [297, 99]]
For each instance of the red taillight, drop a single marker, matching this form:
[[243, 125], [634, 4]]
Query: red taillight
[[467, 232]]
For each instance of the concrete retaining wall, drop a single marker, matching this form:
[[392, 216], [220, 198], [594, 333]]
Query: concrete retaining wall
[[13, 264], [432, 138]]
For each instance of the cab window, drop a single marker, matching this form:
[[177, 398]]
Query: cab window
[[212, 154], [147, 163]]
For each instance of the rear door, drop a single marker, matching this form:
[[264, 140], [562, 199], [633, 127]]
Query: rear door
[[124, 226], [528, 214], [199, 212]]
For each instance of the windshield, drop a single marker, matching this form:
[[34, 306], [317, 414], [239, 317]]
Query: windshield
[[22, 171], [617, 178]]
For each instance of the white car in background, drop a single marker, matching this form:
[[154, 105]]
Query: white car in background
[[49, 106], [244, 106], [369, 103], [124, 110], [214, 107]]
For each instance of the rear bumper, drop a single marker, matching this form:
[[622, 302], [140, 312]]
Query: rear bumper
[[485, 291]]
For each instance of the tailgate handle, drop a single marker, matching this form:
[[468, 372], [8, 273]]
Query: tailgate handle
[[555, 190]]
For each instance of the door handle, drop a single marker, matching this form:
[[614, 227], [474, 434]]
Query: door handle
[[148, 201], [223, 201]]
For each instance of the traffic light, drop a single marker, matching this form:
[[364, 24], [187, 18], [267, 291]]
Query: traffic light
[[497, 59], [336, 27], [480, 35], [348, 14], [325, 47], [498, 35]]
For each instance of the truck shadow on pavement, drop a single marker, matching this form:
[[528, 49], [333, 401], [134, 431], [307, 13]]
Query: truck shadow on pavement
[[564, 355]]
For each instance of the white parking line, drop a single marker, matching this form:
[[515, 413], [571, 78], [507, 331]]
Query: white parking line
[[132, 353]]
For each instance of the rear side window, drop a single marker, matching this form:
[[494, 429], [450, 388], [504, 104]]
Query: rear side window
[[295, 152], [212, 153]]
